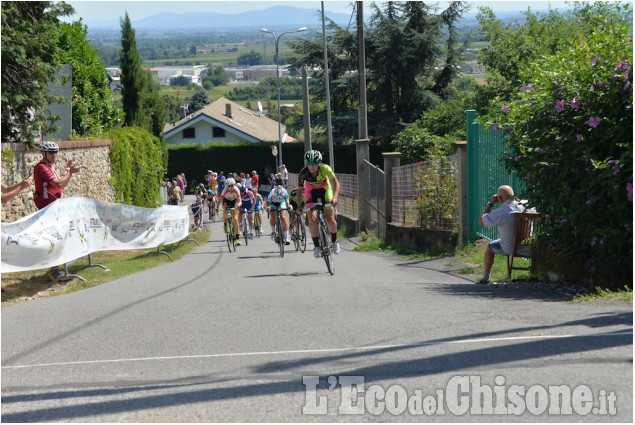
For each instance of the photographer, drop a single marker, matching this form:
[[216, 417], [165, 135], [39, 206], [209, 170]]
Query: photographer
[[504, 219]]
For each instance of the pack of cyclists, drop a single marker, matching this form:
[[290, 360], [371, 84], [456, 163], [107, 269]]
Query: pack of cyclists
[[316, 184]]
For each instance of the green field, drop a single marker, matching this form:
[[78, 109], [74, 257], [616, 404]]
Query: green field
[[225, 58]]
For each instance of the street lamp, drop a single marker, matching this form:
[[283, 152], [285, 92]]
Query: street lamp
[[277, 39]]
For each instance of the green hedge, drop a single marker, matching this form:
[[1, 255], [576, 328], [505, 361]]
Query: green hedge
[[195, 160], [137, 159]]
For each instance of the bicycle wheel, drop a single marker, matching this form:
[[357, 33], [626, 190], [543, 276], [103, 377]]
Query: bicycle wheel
[[294, 235], [205, 208], [280, 239], [212, 213], [325, 242], [229, 235], [301, 236], [233, 236], [245, 229]]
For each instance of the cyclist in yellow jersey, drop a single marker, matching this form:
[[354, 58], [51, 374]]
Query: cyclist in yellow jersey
[[317, 183]]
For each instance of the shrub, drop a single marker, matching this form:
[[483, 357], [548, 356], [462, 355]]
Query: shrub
[[437, 194], [137, 162], [571, 127]]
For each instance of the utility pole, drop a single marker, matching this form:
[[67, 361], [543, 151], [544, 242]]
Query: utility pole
[[361, 67], [329, 126], [306, 117]]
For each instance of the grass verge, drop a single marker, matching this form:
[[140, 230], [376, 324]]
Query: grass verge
[[625, 294], [26, 286]]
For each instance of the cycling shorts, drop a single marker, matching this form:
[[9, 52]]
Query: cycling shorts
[[275, 206], [247, 206], [229, 203], [321, 195]]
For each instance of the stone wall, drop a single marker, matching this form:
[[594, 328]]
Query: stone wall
[[93, 181]]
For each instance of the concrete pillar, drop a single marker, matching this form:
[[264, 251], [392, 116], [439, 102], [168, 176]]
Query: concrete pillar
[[363, 189], [391, 160], [461, 150]]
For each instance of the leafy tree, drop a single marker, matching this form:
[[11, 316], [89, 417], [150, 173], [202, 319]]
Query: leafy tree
[[180, 81], [570, 124], [132, 75], [197, 101], [402, 50], [94, 109], [216, 76], [154, 108], [30, 31], [251, 58]]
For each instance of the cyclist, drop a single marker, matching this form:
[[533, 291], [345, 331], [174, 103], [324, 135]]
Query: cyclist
[[247, 199], [197, 209], [258, 202], [295, 208], [317, 183], [278, 200], [230, 198]]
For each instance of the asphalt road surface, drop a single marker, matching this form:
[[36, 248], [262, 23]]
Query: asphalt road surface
[[252, 337]]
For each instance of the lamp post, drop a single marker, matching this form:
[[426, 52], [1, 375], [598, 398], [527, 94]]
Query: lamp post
[[277, 39]]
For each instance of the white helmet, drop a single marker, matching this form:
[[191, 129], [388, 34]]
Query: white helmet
[[230, 182], [49, 147], [238, 185]]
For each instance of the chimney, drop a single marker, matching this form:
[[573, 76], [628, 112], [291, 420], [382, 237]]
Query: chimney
[[182, 111], [228, 110]]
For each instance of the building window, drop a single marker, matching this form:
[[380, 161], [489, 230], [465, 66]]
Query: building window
[[218, 132], [189, 133]]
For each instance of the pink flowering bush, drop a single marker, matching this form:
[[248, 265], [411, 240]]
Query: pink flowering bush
[[571, 129]]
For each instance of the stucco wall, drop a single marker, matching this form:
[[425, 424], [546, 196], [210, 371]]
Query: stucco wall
[[93, 181]]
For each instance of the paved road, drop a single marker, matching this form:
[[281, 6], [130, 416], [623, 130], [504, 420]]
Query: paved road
[[251, 337]]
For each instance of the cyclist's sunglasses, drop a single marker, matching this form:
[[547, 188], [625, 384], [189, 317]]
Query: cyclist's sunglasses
[[230, 185], [311, 163]]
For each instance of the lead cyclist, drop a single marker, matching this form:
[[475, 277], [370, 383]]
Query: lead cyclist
[[316, 182]]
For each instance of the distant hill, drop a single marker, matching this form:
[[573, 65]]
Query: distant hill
[[278, 16]]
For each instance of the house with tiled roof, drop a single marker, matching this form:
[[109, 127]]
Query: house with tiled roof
[[222, 121]]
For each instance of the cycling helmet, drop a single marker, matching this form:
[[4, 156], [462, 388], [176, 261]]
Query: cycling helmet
[[239, 186], [243, 189], [230, 182], [313, 157], [49, 147]]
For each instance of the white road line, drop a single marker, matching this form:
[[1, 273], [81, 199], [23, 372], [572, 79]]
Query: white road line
[[318, 351]]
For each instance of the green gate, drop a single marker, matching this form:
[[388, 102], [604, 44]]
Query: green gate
[[485, 174]]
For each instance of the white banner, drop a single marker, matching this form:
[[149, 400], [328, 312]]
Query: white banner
[[73, 227]]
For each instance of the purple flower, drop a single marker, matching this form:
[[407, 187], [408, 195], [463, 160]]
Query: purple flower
[[540, 151], [505, 108], [616, 187], [525, 87], [622, 65], [629, 191], [595, 240], [516, 158], [595, 59], [625, 87], [575, 103], [591, 200], [563, 221], [559, 105], [495, 128], [593, 121], [578, 138]]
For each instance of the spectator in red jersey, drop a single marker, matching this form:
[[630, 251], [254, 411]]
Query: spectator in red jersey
[[48, 184]]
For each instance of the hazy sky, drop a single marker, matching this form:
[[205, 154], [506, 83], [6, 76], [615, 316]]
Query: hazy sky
[[114, 9]]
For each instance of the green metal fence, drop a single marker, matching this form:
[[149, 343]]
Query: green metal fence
[[485, 174]]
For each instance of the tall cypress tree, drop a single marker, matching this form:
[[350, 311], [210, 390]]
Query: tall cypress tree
[[132, 76]]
